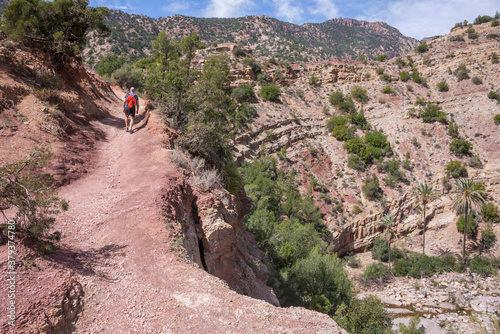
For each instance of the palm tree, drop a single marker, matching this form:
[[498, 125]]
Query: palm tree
[[467, 195], [387, 221], [424, 194]]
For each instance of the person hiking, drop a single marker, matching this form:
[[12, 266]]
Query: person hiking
[[130, 107]]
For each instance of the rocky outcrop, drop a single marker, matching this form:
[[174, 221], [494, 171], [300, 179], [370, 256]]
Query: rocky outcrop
[[215, 239]]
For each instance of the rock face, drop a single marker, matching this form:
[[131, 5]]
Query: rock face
[[216, 240]]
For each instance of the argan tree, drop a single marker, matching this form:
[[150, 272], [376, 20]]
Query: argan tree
[[424, 194], [466, 196]]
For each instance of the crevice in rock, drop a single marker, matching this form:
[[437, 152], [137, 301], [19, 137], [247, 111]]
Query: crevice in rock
[[199, 233]]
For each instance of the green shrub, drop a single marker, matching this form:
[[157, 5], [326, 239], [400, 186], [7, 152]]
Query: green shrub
[[356, 163], [495, 23], [462, 72], [477, 81], [380, 70], [461, 147], [233, 181], [453, 130], [238, 52], [471, 225], [484, 266], [475, 162], [263, 78], [243, 92], [457, 38], [488, 237], [489, 211], [371, 188], [343, 132], [336, 120], [456, 169], [270, 92], [380, 251], [108, 64], [404, 76], [127, 76], [496, 119], [356, 210], [352, 261], [28, 197], [422, 48], [359, 120], [388, 90], [494, 95], [473, 35], [417, 78], [364, 316], [48, 80], [433, 113], [418, 265], [359, 94], [342, 103], [382, 57], [420, 101], [376, 272], [314, 81], [443, 86], [253, 64]]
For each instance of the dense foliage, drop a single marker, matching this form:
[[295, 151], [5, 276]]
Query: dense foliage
[[59, 25], [289, 229]]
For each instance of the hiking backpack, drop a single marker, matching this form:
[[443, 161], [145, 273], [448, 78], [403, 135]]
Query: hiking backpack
[[131, 101]]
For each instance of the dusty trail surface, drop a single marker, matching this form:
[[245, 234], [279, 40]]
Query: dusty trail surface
[[116, 242]]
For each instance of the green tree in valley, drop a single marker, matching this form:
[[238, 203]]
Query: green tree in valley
[[386, 222]]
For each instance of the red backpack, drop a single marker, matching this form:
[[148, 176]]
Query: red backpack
[[131, 101]]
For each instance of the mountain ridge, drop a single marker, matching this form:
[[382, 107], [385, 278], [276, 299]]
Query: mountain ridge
[[342, 38]]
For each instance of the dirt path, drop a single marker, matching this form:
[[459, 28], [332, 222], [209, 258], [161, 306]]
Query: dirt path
[[115, 240]]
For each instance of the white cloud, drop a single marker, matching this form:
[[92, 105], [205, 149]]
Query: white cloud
[[288, 11], [114, 5], [324, 8], [175, 7], [427, 18], [227, 8]]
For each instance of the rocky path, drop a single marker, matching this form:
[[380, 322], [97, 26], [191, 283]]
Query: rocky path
[[116, 242]]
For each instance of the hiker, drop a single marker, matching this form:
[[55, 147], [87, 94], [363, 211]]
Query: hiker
[[130, 106]]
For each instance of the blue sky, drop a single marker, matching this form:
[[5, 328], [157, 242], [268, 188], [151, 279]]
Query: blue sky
[[414, 18]]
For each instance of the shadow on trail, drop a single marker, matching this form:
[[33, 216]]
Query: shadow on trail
[[140, 120], [91, 262]]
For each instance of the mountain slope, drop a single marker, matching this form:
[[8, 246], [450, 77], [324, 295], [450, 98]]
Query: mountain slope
[[336, 38]]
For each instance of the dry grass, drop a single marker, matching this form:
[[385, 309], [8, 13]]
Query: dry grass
[[202, 178]]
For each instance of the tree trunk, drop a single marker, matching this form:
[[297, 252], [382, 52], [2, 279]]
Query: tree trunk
[[390, 237], [423, 235], [465, 230]]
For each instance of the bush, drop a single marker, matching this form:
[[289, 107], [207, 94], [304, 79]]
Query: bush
[[495, 23], [270, 92], [484, 266], [412, 327], [263, 78], [453, 130], [473, 35], [48, 80], [488, 237], [388, 90], [494, 95], [461, 147], [433, 113], [496, 119], [382, 57], [359, 120], [128, 76], [475, 162], [457, 38], [404, 76], [385, 77], [28, 197], [443, 86], [356, 210], [371, 188], [356, 163], [376, 272], [477, 81], [314, 81], [359, 94], [336, 120], [380, 251], [489, 211], [243, 92], [380, 70], [422, 48], [418, 266], [456, 169], [420, 101], [343, 132], [108, 64], [342, 103], [462, 73], [364, 316], [253, 64], [471, 225]]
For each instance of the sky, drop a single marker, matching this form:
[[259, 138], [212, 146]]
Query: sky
[[414, 18]]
